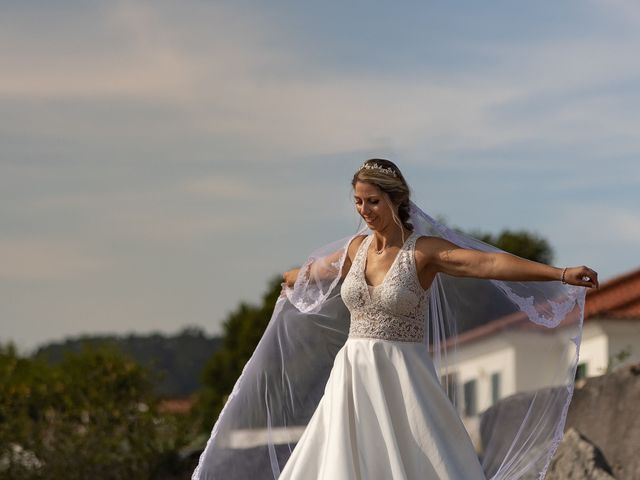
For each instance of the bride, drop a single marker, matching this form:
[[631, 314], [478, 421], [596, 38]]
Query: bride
[[325, 398]]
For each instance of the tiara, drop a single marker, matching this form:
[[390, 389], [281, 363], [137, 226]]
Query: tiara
[[375, 166]]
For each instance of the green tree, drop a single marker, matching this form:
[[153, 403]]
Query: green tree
[[521, 243], [176, 359], [242, 331], [93, 415]]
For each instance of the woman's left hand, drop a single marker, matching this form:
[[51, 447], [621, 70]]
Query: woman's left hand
[[582, 276]]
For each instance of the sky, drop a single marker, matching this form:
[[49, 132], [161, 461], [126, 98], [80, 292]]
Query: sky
[[162, 161]]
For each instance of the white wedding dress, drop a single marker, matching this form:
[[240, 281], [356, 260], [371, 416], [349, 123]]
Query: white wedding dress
[[384, 414]]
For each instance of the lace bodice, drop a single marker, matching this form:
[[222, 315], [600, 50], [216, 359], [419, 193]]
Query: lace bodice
[[394, 310]]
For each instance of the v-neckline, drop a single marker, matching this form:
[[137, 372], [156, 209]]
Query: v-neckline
[[393, 264]]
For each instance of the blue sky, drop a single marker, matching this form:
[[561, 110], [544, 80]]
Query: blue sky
[[161, 161]]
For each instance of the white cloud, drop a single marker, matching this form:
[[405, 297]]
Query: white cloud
[[221, 186], [625, 11], [604, 238], [158, 86], [623, 225], [29, 259], [161, 227], [221, 78]]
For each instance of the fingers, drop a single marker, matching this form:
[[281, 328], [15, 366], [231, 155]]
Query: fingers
[[583, 276], [589, 277], [593, 276]]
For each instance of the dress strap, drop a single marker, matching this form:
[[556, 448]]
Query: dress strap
[[362, 249], [411, 242], [408, 261]]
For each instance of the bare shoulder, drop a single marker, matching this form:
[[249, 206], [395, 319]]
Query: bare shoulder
[[352, 248], [354, 245], [427, 245], [428, 248]]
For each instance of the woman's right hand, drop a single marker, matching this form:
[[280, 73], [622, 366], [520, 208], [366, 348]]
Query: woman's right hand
[[290, 277]]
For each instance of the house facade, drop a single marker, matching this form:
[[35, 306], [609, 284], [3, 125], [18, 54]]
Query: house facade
[[492, 363]]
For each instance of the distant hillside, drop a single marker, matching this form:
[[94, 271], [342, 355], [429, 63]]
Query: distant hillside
[[178, 359]]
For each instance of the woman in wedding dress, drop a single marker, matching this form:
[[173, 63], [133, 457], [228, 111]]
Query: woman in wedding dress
[[383, 413]]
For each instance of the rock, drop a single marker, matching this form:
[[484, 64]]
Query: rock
[[605, 410], [578, 459], [502, 421]]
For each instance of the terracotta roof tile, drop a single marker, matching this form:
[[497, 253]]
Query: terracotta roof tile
[[618, 297], [176, 405]]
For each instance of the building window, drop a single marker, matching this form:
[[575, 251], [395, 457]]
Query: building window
[[495, 387], [581, 371], [449, 383], [470, 405]]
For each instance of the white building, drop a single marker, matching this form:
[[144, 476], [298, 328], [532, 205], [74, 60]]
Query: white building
[[493, 362]]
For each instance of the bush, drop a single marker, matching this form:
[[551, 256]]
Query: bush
[[94, 415]]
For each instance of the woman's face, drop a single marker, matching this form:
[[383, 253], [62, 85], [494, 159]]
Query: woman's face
[[373, 205]]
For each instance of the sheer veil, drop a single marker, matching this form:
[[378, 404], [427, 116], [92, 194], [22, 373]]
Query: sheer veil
[[529, 332]]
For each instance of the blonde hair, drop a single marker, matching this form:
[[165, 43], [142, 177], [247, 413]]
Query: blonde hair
[[380, 172]]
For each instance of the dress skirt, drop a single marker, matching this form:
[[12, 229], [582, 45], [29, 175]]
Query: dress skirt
[[383, 416]]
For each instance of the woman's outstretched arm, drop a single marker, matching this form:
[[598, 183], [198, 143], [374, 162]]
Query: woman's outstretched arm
[[444, 256]]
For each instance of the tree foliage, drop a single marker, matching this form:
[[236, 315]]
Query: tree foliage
[[521, 243], [241, 333], [93, 415], [175, 359]]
